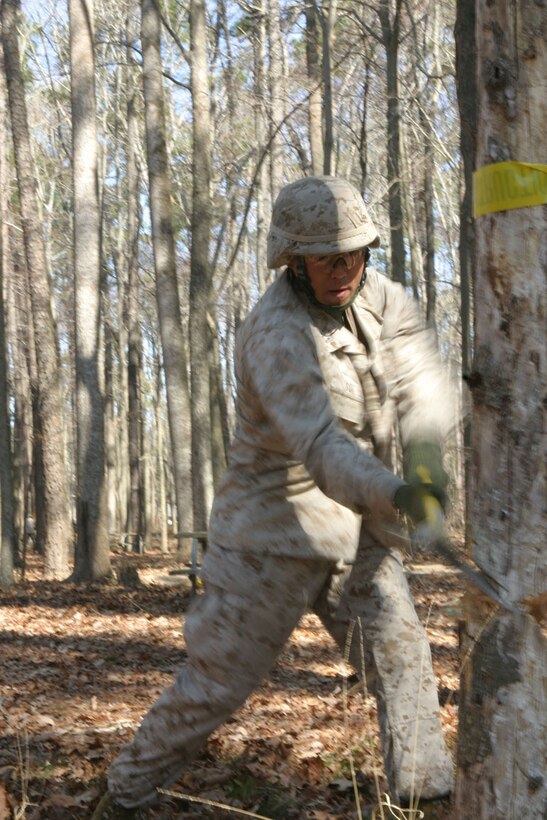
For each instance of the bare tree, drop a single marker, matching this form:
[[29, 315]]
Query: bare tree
[[503, 719], [172, 338], [8, 542], [390, 22], [56, 530], [92, 556], [328, 20], [200, 273], [135, 512], [315, 105]]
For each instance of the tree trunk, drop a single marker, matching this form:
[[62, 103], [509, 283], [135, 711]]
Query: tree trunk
[[17, 331], [92, 557], [135, 512], [411, 219], [8, 531], [200, 275], [503, 720], [466, 83], [327, 22], [162, 501], [390, 38], [429, 223], [173, 343], [8, 539], [7, 528], [466, 69], [276, 104], [315, 105], [259, 58], [57, 530]]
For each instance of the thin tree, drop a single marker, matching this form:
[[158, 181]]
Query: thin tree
[[172, 338], [328, 20], [8, 541], [54, 477], [466, 82], [503, 715], [315, 105], [8, 532], [200, 269], [135, 513], [390, 24], [92, 556]]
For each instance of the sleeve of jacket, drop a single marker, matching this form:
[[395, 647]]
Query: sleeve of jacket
[[281, 367], [423, 393]]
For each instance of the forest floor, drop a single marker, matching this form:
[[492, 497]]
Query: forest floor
[[80, 666]]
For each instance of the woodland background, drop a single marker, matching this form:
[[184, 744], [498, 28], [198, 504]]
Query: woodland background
[[154, 152]]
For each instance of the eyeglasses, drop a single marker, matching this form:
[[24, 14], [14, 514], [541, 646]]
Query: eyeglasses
[[328, 262]]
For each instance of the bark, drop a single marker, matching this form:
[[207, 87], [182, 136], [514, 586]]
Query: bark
[[8, 540], [363, 140], [503, 721], [57, 530], [18, 327], [8, 530], [173, 342], [410, 211], [315, 105], [276, 104], [200, 274], [259, 56], [92, 557], [161, 463], [220, 437], [390, 27], [466, 81], [135, 513], [327, 22], [429, 223], [110, 430]]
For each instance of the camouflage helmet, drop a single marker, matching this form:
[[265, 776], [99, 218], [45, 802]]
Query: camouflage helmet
[[318, 215]]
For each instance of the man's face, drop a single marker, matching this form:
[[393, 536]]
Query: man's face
[[335, 277]]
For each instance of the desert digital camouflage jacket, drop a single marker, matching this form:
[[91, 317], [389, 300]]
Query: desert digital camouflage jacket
[[313, 406]]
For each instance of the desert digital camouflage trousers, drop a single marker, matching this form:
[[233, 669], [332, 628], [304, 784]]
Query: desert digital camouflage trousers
[[237, 628]]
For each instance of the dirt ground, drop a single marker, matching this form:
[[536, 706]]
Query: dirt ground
[[79, 667]]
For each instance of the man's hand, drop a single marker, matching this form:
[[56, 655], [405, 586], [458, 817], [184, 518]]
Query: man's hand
[[423, 467], [424, 509]]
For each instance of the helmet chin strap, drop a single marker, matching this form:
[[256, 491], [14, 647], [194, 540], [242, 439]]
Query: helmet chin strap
[[301, 282]]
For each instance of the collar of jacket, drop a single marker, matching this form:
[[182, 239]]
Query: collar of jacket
[[337, 336]]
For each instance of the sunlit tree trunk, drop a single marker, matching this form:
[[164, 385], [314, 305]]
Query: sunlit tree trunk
[[8, 532], [328, 20], [92, 557], [260, 87], [173, 342], [8, 540], [57, 530], [275, 77], [315, 104], [503, 719], [7, 528], [200, 274]]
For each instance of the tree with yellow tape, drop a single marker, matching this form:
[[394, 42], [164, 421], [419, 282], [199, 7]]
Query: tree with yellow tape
[[503, 186]]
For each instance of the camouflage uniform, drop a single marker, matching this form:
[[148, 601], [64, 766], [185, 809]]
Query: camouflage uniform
[[304, 518]]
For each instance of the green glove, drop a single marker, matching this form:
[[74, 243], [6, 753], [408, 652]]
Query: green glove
[[423, 467], [420, 504], [424, 510]]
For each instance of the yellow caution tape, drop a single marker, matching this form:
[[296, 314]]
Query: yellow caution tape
[[503, 186]]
